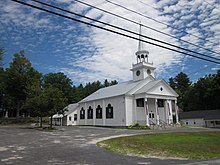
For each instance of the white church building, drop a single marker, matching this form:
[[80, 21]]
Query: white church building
[[142, 100]]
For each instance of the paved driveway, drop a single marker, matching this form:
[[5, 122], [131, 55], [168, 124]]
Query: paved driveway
[[72, 146]]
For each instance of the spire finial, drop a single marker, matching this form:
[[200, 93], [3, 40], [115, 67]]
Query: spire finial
[[142, 54], [140, 43]]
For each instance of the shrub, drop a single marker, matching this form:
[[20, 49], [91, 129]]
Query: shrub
[[138, 126]]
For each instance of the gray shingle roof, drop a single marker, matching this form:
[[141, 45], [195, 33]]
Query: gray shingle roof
[[71, 108], [127, 88], [205, 114], [116, 90]]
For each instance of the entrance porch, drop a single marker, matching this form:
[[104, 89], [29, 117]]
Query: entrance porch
[[156, 111]]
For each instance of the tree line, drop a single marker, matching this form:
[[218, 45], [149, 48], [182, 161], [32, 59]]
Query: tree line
[[204, 94], [26, 92]]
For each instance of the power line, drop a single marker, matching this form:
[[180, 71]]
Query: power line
[[147, 4], [207, 2], [109, 30], [210, 4], [144, 25], [213, 6], [124, 29], [121, 6]]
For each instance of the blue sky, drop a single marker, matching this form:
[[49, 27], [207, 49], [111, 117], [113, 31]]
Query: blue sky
[[86, 54]]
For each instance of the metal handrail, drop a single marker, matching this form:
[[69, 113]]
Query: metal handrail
[[163, 122], [151, 122]]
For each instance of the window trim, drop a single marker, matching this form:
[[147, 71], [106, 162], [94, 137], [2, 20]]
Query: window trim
[[151, 115], [160, 103], [109, 112], [90, 113], [140, 102], [75, 117], [82, 113], [99, 114]]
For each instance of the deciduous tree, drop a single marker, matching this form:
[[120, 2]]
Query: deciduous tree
[[55, 101], [19, 75], [35, 102], [62, 82], [1, 57]]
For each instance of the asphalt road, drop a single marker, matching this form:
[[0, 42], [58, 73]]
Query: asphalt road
[[75, 146]]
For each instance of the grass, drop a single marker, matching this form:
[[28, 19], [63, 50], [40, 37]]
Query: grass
[[21, 121], [199, 145]]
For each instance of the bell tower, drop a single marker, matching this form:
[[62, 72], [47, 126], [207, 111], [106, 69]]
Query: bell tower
[[143, 68]]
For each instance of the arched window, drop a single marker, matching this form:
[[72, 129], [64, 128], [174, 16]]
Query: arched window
[[82, 113], [90, 113], [109, 112], [99, 112], [75, 117], [146, 57], [139, 58]]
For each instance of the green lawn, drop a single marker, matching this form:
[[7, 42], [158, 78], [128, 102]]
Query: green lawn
[[199, 145]]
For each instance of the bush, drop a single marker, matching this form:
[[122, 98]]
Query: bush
[[138, 126]]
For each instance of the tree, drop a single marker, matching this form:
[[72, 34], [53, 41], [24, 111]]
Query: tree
[[61, 82], [19, 75], [35, 101], [204, 94], [78, 93], [180, 84], [216, 90], [7, 103], [2, 84], [55, 101], [1, 56], [114, 82], [45, 101], [172, 83], [2, 90], [106, 83]]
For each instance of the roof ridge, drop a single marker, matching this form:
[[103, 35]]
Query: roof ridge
[[114, 90], [133, 90]]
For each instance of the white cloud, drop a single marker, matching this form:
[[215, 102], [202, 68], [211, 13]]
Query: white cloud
[[92, 54], [12, 12], [216, 68], [116, 53]]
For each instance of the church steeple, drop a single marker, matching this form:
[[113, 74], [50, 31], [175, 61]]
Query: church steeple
[[142, 54], [140, 43], [143, 67]]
